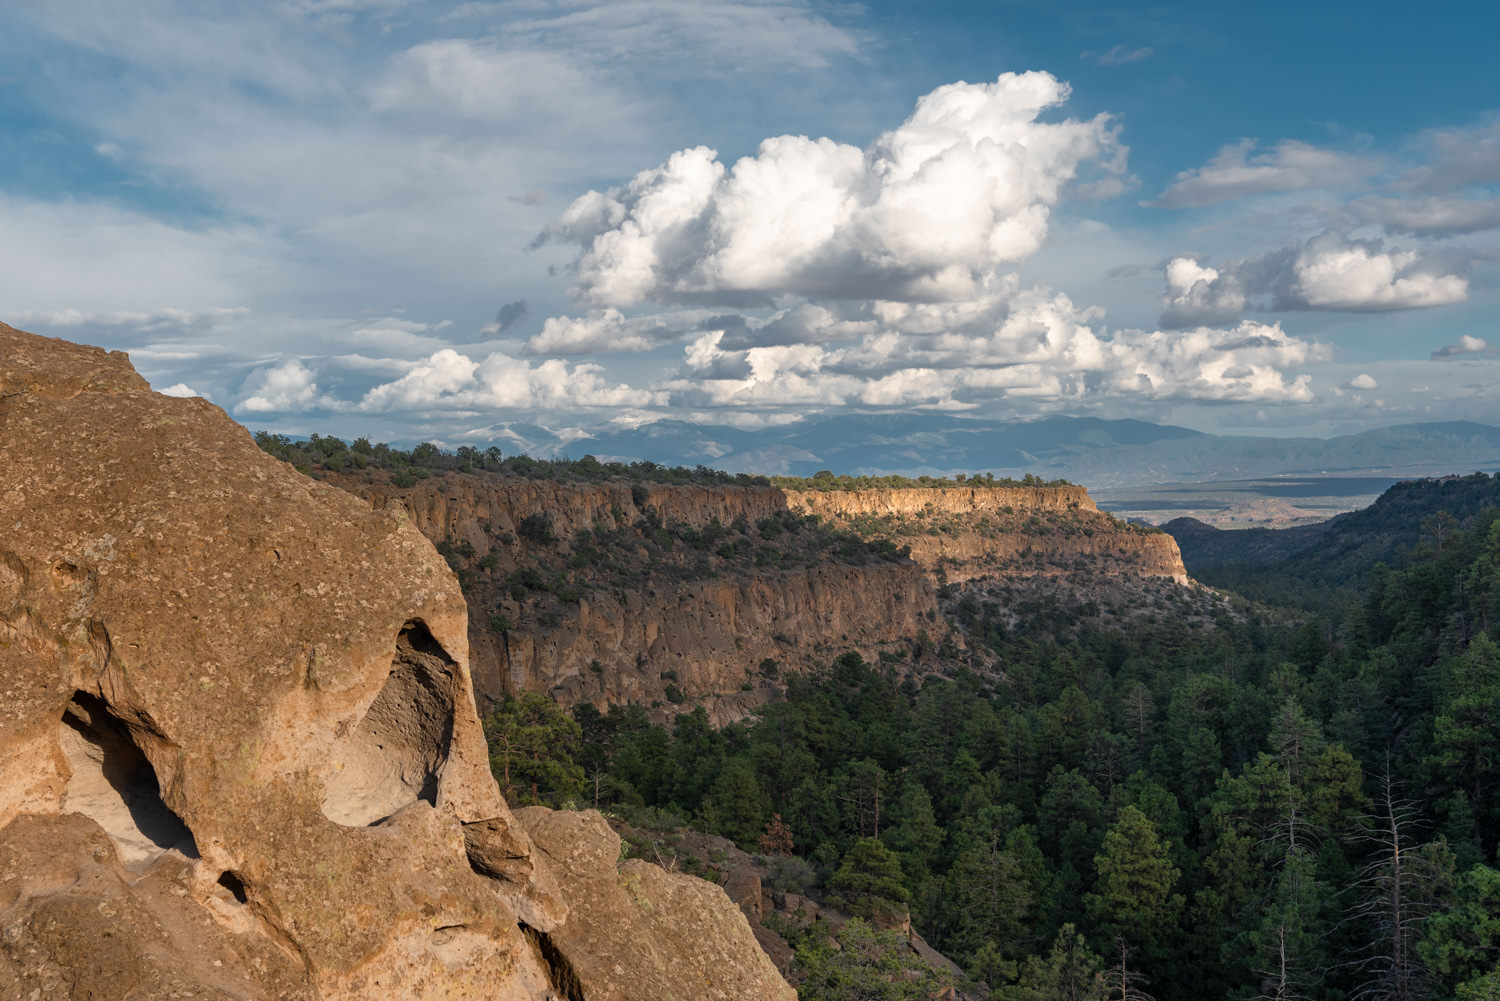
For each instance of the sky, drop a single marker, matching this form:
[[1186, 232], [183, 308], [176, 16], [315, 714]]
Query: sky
[[424, 220]]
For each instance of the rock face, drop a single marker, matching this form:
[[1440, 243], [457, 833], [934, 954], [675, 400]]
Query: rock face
[[239, 754], [706, 639], [661, 633]]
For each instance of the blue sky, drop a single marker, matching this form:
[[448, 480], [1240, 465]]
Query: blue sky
[[422, 219]]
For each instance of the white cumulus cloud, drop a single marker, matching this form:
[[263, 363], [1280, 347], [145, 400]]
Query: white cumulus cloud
[[1468, 346], [1038, 346], [1334, 272], [1198, 295], [445, 372], [182, 390], [290, 386], [1328, 272], [607, 330], [966, 184], [1244, 363], [451, 381]]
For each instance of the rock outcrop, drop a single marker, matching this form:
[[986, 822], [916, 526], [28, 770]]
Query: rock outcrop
[[685, 945], [239, 753]]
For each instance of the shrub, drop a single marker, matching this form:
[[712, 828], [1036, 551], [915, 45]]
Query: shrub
[[537, 528]]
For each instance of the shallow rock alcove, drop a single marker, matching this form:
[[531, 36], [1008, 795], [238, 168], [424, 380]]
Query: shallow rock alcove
[[396, 755], [114, 784]]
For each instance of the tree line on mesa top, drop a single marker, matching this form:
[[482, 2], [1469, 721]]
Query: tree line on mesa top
[[326, 452]]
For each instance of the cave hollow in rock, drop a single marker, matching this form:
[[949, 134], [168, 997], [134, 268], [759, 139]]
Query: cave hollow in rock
[[113, 784], [395, 757]]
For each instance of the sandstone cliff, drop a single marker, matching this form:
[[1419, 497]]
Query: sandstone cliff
[[239, 753], [969, 532]]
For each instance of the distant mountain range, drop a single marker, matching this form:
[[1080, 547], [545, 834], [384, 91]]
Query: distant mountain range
[[1094, 452]]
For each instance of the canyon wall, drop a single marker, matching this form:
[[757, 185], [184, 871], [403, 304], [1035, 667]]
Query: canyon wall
[[911, 501], [477, 506], [239, 752], [664, 637], [675, 628], [708, 639]]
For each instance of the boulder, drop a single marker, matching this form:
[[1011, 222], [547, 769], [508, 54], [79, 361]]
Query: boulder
[[635, 931]]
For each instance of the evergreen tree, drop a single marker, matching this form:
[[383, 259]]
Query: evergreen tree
[[869, 883], [1466, 730], [1069, 972], [1286, 949], [1133, 898], [1461, 943], [990, 903], [532, 742], [736, 806], [917, 841], [867, 964]]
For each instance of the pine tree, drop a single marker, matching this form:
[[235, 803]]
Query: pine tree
[[532, 743], [1288, 956], [1461, 942], [737, 807], [1133, 898], [989, 905], [869, 882], [1069, 972], [1466, 729]]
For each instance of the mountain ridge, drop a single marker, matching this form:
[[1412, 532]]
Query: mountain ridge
[[1091, 450]]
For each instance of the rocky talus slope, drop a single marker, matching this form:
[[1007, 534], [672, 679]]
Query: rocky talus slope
[[239, 753]]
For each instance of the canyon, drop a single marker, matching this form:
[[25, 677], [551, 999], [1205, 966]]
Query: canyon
[[241, 754]]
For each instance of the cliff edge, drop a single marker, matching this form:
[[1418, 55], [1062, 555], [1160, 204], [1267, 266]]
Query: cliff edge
[[1021, 531], [239, 753]]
